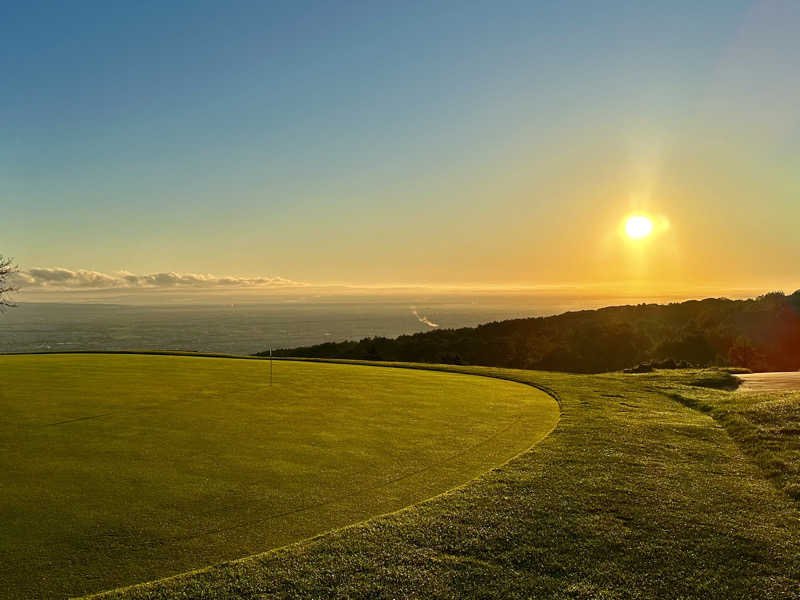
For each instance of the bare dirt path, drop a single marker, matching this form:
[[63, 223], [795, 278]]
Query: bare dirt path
[[765, 382]]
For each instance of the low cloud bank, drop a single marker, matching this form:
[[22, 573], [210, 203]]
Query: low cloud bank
[[66, 279]]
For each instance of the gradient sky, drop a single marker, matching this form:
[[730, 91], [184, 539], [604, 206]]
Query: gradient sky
[[440, 143]]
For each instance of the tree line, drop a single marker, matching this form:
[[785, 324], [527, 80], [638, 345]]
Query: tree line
[[761, 334]]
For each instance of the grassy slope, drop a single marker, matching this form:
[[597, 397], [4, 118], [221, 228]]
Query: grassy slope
[[118, 469], [634, 495], [765, 425]]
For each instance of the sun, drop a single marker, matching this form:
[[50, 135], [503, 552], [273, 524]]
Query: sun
[[638, 227]]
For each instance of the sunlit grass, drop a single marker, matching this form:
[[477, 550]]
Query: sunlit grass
[[118, 469], [765, 425], [636, 494]]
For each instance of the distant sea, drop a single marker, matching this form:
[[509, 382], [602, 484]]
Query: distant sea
[[225, 328], [248, 328]]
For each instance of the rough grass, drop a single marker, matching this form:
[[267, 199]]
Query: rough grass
[[765, 425], [116, 469], [634, 495]]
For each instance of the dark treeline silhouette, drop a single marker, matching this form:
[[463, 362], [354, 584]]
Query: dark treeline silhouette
[[761, 334]]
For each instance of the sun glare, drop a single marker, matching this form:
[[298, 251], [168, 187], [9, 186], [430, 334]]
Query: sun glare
[[638, 227]]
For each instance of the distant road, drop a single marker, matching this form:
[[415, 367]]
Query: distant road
[[764, 382]]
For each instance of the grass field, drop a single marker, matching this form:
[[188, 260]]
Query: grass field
[[638, 493], [765, 425], [118, 469]]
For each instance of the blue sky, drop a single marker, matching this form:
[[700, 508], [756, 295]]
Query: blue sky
[[474, 143]]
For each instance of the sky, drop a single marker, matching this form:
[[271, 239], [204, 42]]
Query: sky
[[479, 145]]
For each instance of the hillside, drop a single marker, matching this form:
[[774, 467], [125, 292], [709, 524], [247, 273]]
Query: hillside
[[762, 334]]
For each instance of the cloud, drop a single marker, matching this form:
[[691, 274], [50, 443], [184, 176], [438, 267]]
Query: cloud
[[423, 319], [66, 279]]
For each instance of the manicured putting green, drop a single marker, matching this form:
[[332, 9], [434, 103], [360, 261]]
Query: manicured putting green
[[115, 469]]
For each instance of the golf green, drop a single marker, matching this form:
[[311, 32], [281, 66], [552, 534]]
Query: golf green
[[116, 469]]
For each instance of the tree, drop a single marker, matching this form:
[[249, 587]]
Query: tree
[[7, 269], [744, 354]]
